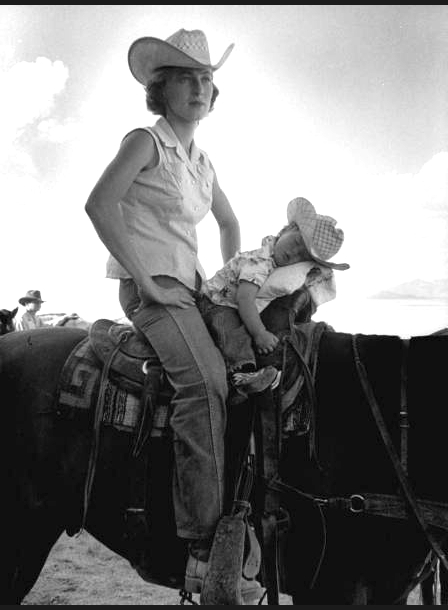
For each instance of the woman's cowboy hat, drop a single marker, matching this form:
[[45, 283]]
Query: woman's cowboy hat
[[183, 49], [31, 295], [319, 233]]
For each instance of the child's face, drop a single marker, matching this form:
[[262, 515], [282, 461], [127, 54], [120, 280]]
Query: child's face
[[290, 248]]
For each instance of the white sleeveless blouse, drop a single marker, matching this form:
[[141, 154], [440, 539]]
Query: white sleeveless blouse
[[163, 206]]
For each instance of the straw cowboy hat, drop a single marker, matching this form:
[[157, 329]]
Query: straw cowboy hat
[[183, 49], [31, 295], [319, 233]]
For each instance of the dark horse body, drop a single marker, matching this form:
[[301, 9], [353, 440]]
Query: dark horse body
[[328, 556]]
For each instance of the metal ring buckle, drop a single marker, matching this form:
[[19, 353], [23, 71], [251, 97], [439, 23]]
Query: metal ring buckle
[[357, 503], [146, 366]]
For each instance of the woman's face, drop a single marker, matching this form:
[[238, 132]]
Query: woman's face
[[290, 248], [188, 93]]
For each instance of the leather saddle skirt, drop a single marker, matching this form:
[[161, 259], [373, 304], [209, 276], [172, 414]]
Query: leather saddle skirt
[[128, 352]]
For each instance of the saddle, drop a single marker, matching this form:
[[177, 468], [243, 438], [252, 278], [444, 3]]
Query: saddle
[[126, 351]]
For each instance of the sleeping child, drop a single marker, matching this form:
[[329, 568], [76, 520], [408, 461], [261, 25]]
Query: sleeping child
[[230, 302]]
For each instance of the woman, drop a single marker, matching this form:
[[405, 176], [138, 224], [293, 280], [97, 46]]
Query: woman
[[145, 208]]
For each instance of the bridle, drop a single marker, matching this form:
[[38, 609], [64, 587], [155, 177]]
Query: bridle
[[405, 505], [400, 466]]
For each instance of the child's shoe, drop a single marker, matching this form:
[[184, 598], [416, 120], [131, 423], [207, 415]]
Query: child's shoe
[[257, 381]]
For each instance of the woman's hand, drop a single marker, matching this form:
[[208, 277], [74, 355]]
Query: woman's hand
[[265, 342], [176, 296]]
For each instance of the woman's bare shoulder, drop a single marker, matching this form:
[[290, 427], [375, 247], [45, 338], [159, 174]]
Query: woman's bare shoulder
[[140, 136], [140, 142]]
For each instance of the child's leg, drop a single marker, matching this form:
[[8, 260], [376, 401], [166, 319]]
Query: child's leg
[[235, 343], [230, 335]]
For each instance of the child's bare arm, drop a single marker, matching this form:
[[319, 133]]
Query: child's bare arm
[[245, 296]]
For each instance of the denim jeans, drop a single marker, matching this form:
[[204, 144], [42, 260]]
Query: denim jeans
[[128, 296], [229, 333], [195, 368]]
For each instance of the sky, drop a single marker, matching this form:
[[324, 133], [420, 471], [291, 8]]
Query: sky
[[346, 105]]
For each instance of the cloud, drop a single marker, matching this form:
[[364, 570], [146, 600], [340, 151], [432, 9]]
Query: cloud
[[430, 185], [58, 132], [396, 227], [28, 92]]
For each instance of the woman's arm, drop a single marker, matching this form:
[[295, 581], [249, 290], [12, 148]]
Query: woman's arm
[[229, 227], [136, 152], [245, 296]]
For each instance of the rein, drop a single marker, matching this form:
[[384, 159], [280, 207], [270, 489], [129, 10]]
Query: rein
[[399, 468]]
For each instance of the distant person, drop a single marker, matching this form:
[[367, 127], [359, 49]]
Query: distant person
[[145, 208], [32, 302], [229, 307]]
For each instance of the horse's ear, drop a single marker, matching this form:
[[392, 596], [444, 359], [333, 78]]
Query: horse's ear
[[14, 311]]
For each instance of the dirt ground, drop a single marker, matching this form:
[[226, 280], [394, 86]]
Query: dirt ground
[[81, 571]]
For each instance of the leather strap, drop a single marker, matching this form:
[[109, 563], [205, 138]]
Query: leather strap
[[270, 437], [150, 391], [98, 418], [235, 549], [404, 483], [311, 405], [404, 420], [270, 567]]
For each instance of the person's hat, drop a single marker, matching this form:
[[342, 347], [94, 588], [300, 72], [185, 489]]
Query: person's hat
[[319, 232], [31, 295], [183, 49]]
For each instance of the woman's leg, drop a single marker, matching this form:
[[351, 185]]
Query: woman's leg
[[195, 369], [128, 296]]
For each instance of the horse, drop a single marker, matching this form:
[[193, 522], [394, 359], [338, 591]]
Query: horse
[[381, 556], [6, 320], [333, 551]]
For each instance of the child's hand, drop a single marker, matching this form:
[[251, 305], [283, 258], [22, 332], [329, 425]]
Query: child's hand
[[265, 342]]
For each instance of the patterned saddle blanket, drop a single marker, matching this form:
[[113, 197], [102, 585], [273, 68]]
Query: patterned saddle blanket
[[79, 388]]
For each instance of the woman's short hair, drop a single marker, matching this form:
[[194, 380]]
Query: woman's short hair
[[155, 101]]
